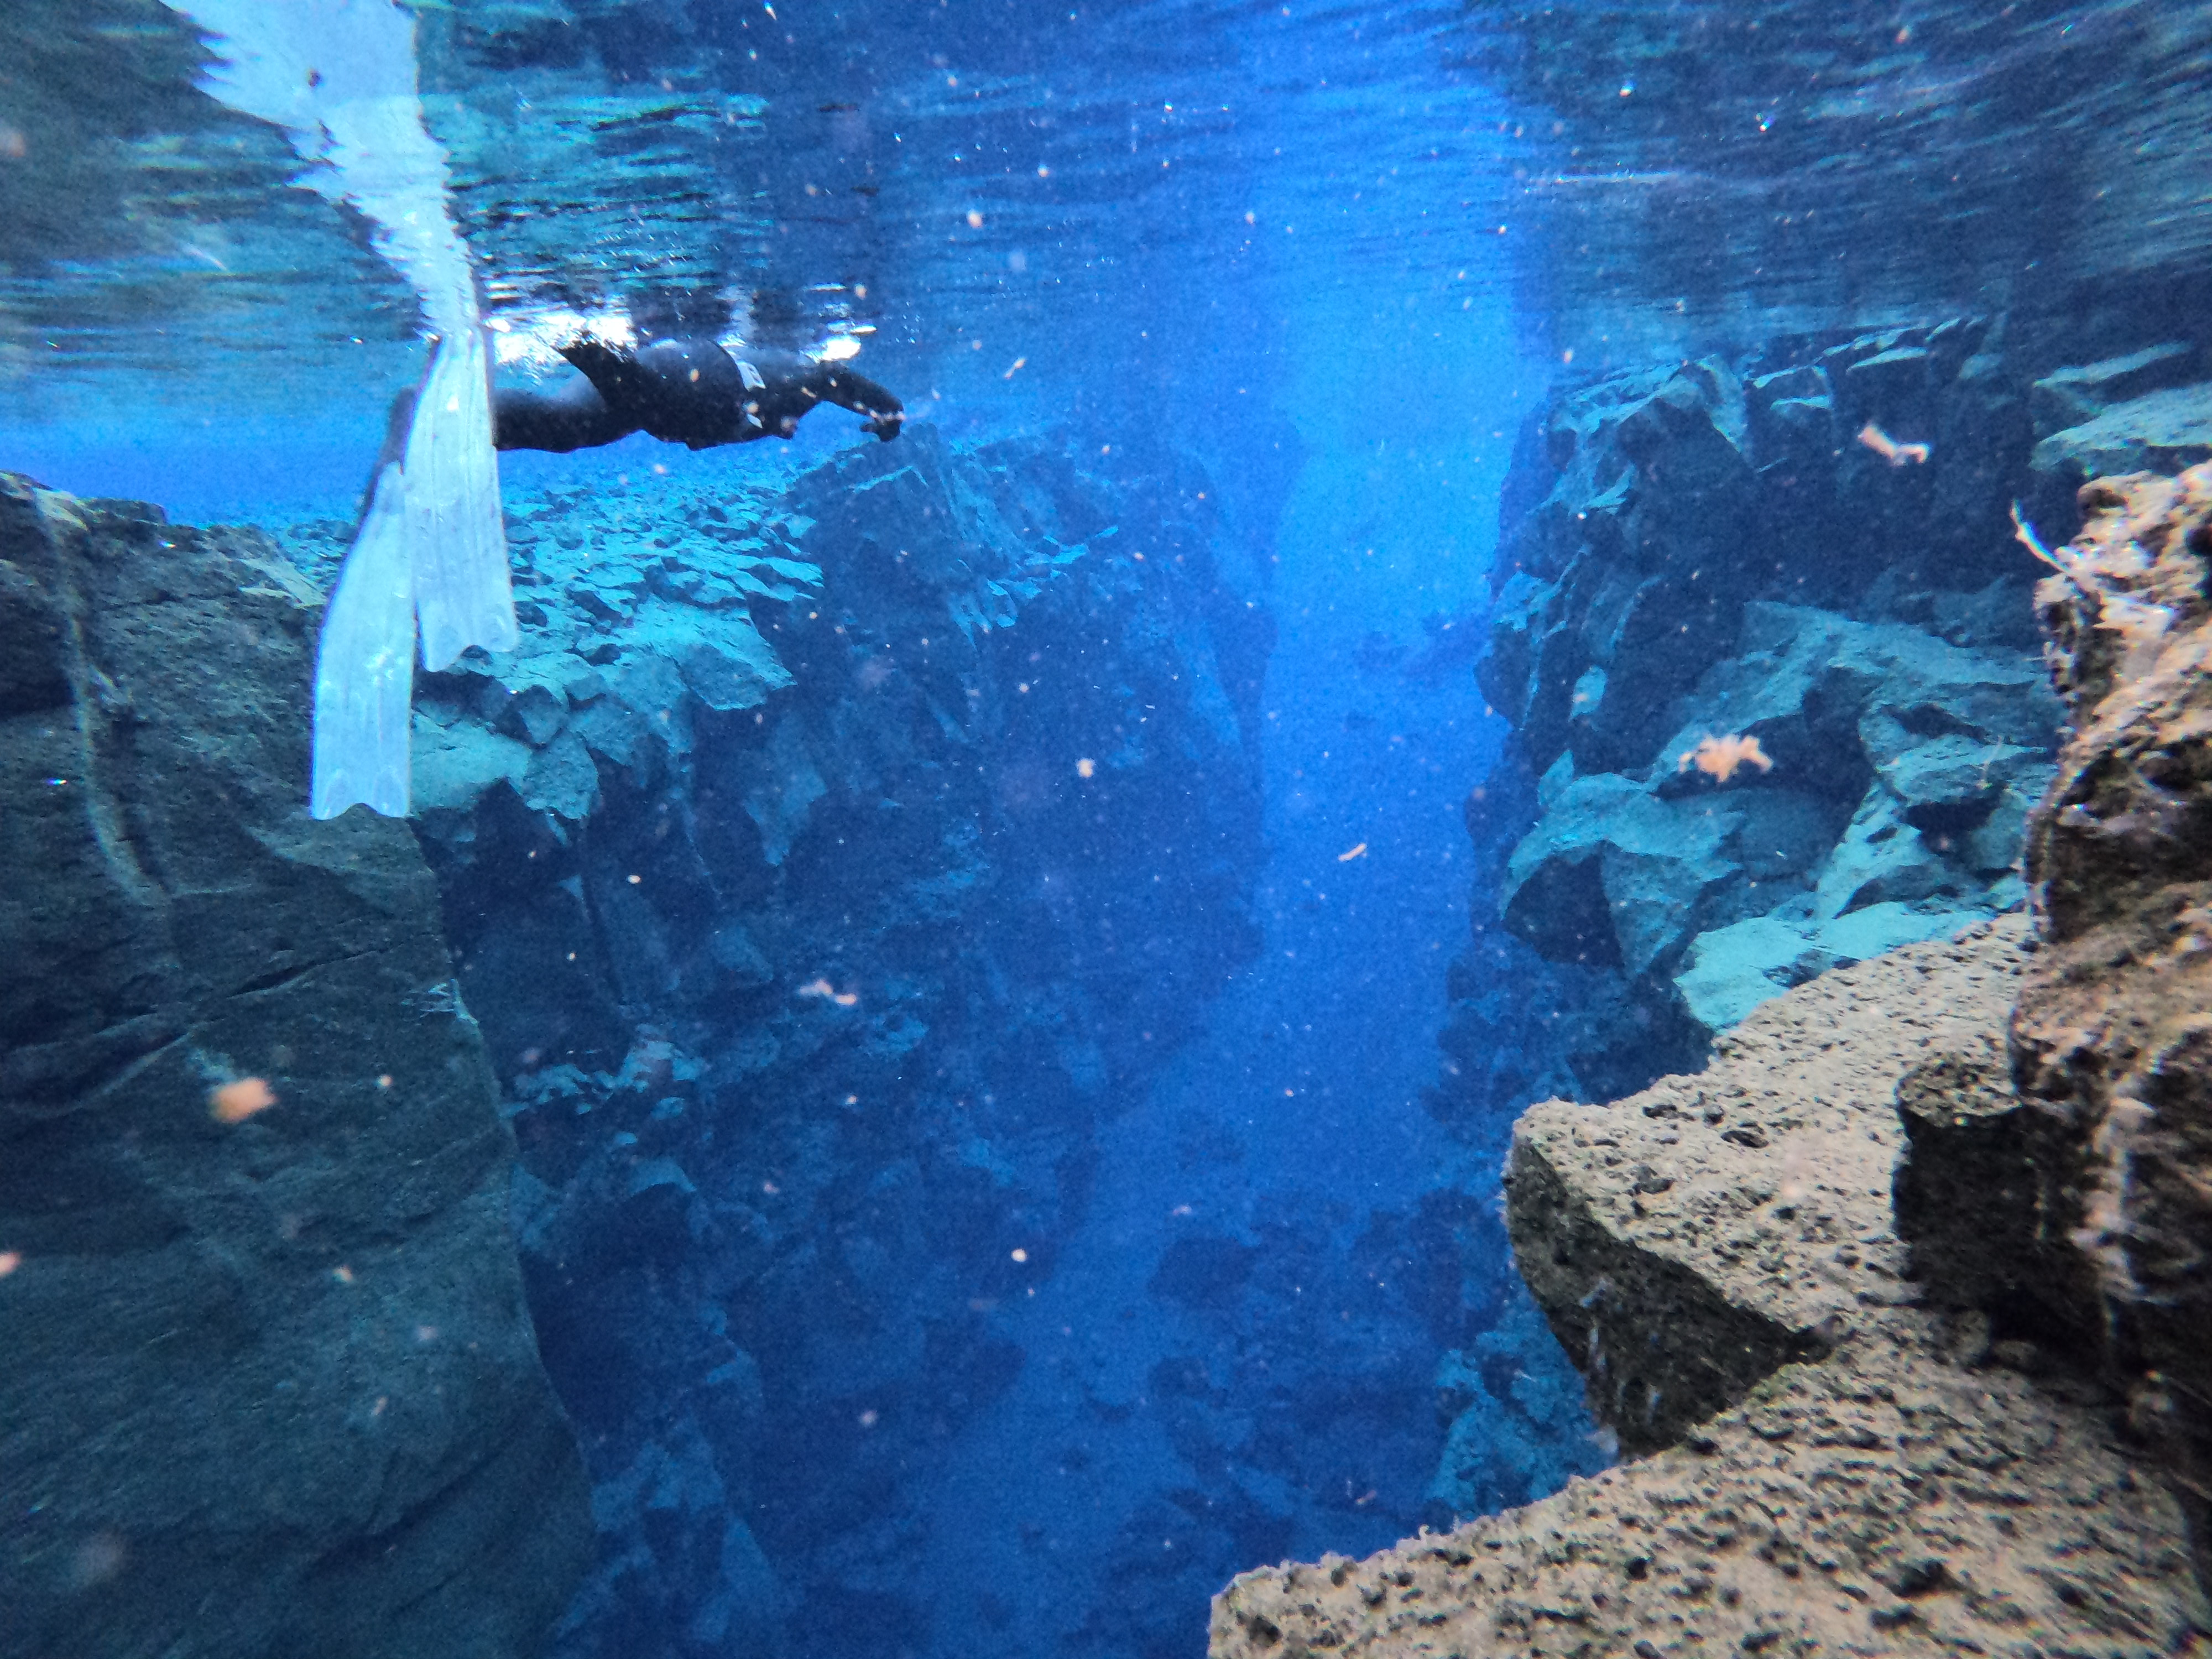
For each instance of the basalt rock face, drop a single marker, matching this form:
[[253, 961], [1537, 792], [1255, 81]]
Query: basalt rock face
[[1813, 549], [834, 854], [1828, 1468], [2112, 1043], [268, 1386], [2061, 1192], [1765, 633]]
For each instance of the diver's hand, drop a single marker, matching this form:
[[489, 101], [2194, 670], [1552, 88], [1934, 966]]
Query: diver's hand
[[885, 427]]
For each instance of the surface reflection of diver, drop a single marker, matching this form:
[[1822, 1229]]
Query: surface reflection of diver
[[685, 391]]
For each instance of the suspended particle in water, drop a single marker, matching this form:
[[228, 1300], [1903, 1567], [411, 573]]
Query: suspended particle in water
[[1896, 453], [98, 1559]]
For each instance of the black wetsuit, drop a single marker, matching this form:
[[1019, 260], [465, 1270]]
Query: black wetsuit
[[689, 391]]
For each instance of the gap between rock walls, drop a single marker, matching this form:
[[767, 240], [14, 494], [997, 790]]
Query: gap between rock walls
[[859, 887], [846, 858], [866, 886], [860, 882], [840, 828]]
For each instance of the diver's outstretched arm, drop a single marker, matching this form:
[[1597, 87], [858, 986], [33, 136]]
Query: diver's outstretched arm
[[836, 384]]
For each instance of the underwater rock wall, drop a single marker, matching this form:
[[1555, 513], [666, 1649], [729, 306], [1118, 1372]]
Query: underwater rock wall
[[268, 1385], [1807, 559], [1764, 633], [830, 859], [1903, 1297]]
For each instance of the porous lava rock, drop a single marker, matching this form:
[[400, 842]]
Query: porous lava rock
[[268, 1386], [1830, 1468], [2113, 1033], [1744, 1212]]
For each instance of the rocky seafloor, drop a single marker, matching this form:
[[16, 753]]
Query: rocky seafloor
[[1898, 1301]]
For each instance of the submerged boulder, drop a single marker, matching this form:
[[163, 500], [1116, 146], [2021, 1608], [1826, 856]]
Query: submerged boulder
[[268, 1385]]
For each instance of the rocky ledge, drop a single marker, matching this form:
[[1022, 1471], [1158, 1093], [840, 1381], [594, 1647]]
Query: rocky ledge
[[1833, 1469], [1903, 1296]]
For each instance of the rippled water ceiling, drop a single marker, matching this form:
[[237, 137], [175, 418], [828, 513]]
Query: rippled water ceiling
[[822, 165]]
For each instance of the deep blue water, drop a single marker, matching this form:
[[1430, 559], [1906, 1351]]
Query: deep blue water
[[1331, 259]]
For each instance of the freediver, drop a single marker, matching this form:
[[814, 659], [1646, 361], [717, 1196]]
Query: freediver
[[684, 390]]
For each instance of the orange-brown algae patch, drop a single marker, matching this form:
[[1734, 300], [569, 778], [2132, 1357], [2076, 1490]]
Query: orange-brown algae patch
[[1718, 758], [234, 1103]]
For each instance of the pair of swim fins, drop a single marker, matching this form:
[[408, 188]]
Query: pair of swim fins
[[431, 545], [339, 78]]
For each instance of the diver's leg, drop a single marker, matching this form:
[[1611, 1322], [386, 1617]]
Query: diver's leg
[[572, 415]]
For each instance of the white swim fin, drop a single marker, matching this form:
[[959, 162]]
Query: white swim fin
[[339, 76], [458, 539], [431, 544], [364, 670]]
